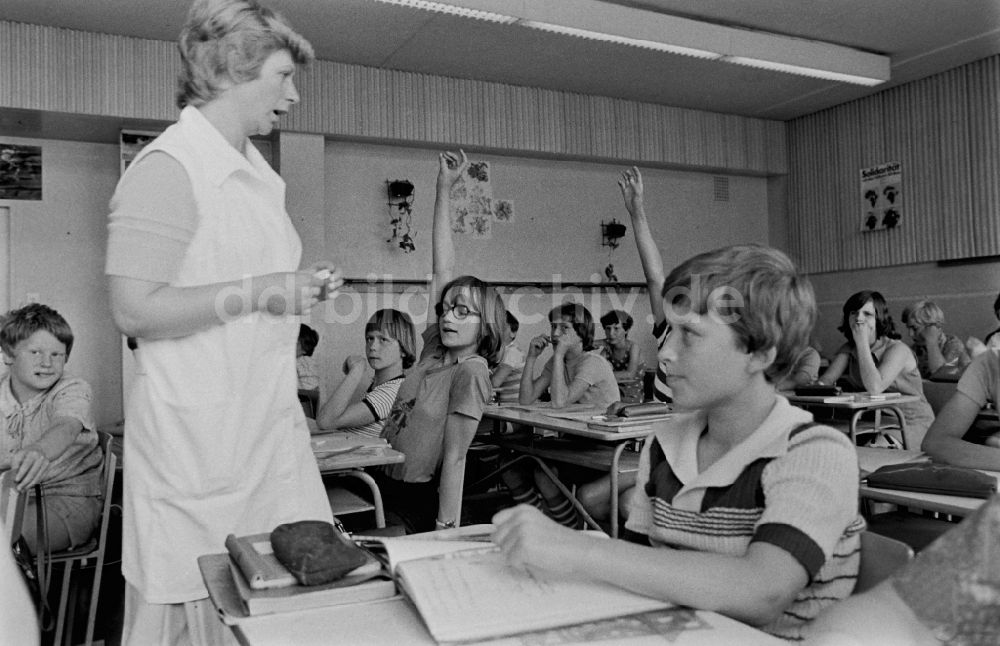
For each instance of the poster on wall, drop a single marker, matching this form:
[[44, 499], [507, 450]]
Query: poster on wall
[[881, 196], [20, 172], [130, 142], [472, 202]]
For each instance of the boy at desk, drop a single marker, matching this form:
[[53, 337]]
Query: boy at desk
[[750, 508]]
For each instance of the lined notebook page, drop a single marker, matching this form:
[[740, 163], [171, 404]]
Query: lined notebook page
[[475, 595]]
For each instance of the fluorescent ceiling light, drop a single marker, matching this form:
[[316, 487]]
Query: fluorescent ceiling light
[[596, 20], [455, 10]]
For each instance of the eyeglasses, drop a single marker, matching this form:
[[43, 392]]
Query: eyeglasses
[[460, 311]]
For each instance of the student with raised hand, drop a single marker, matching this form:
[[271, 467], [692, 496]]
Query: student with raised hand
[[954, 438], [750, 508], [633, 192], [441, 400], [203, 265], [873, 361], [390, 348], [573, 374]]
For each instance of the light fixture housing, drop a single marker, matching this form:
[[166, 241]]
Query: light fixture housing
[[602, 21]]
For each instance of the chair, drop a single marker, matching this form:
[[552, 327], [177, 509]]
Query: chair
[[310, 402], [880, 557], [93, 549], [11, 507], [879, 427]]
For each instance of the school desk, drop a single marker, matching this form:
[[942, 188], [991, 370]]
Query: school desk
[[343, 455], [583, 446], [392, 622], [870, 459], [827, 407]]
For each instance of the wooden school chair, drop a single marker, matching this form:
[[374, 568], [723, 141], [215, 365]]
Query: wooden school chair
[[880, 557], [11, 507], [79, 556]]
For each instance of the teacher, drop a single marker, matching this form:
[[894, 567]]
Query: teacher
[[203, 269]]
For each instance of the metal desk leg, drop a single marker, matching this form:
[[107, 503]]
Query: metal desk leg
[[587, 518], [614, 488], [376, 494], [888, 408]]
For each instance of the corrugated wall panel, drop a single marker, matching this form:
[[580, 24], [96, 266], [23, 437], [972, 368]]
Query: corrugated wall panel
[[943, 131], [61, 70]]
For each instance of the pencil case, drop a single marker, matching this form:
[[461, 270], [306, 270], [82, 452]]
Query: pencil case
[[934, 478], [315, 552], [646, 408]]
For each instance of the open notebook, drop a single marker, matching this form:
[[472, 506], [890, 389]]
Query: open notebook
[[465, 591]]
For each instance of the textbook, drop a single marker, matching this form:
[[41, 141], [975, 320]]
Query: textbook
[[614, 424], [467, 592], [367, 583], [266, 586]]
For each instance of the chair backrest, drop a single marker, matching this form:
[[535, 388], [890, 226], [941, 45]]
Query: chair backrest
[[107, 482], [938, 393], [880, 557], [11, 507]]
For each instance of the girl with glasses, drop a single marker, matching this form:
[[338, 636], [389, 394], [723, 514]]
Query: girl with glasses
[[441, 400]]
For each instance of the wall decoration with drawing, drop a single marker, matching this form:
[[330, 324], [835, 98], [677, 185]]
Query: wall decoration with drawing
[[881, 196]]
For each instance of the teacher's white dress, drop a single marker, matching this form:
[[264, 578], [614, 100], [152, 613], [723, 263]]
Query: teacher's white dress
[[215, 438]]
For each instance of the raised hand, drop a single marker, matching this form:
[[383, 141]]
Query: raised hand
[[630, 184], [451, 166]]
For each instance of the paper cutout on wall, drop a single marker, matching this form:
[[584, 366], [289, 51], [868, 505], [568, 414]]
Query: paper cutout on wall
[[472, 202], [881, 196], [503, 211]]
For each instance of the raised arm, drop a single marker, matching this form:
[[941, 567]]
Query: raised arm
[[154, 310], [451, 166], [631, 186]]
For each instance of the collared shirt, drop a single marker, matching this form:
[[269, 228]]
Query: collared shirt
[[74, 473], [791, 483]]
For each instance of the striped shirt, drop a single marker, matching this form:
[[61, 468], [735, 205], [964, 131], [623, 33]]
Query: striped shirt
[[379, 401], [661, 391], [792, 484]]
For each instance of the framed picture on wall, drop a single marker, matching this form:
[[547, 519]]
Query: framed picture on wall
[[20, 172], [131, 142], [881, 196]]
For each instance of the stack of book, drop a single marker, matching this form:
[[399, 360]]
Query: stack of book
[[265, 586]]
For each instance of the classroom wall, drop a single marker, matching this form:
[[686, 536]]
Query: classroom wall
[[57, 258], [964, 291], [555, 240], [559, 207]]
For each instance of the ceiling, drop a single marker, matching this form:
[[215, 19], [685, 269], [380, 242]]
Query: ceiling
[[922, 37]]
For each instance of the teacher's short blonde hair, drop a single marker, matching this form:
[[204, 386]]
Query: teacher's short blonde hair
[[227, 41]]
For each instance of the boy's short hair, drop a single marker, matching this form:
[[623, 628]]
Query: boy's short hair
[[923, 313], [583, 321], [492, 314], [883, 320], [757, 291], [397, 325], [18, 325], [228, 41], [513, 324], [308, 339], [617, 316]]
